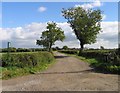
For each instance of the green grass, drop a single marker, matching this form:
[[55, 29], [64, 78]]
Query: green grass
[[46, 60], [12, 72], [98, 65], [88, 60]]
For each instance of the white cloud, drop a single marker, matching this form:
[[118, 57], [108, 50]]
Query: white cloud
[[108, 37], [26, 36], [42, 9], [104, 43], [96, 3], [4, 35], [23, 36]]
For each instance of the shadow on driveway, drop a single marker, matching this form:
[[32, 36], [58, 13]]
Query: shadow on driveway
[[60, 57], [74, 72]]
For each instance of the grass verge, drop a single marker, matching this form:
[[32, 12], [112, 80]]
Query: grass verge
[[98, 65], [14, 71]]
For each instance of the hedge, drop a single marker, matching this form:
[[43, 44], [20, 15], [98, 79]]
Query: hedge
[[108, 61], [12, 49], [69, 51], [112, 58], [26, 59]]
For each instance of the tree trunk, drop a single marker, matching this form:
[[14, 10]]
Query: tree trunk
[[50, 46], [81, 49]]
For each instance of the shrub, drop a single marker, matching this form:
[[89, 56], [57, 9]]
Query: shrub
[[107, 60], [69, 51], [26, 59], [18, 64], [65, 48], [11, 49], [23, 50]]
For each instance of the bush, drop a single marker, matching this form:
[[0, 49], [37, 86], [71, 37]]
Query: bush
[[65, 48], [40, 49], [26, 59], [69, 51], [11, 49], [107, 60], [23, 50], [106, 56], [18, 64], [113, 69]]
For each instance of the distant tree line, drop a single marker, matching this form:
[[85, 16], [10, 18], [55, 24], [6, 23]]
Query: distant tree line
[[13, 49]]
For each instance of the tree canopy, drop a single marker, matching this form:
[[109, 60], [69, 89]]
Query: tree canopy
[[65, 47], [51, 35], [85, 23]]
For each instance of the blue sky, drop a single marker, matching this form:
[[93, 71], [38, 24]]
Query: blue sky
[[20, 14], [23, 23]]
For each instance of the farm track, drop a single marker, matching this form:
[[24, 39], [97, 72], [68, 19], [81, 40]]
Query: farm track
[[67, 74]]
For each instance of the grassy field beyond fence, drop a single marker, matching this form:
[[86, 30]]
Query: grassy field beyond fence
[[18, 64]]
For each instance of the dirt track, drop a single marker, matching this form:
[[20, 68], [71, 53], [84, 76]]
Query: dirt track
[[67, 74]]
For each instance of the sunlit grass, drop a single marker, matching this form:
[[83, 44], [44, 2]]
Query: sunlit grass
[[14, 71]]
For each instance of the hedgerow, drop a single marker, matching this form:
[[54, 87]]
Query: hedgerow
[[26, 59], [69, 51], [17, 64], [107, 61]]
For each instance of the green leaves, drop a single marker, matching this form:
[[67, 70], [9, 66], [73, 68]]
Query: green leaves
[[85, 23], [25, 63], [51, 35]]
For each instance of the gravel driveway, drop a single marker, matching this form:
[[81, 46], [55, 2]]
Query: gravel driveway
[[67, 74]]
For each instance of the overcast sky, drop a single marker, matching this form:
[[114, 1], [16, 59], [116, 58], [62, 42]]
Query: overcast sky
[[23, 23]]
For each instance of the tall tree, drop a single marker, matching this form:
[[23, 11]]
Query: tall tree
[[85, 24], [51, 35]]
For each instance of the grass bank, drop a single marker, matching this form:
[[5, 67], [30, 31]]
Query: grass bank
[[19, 64], [95, 61]]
